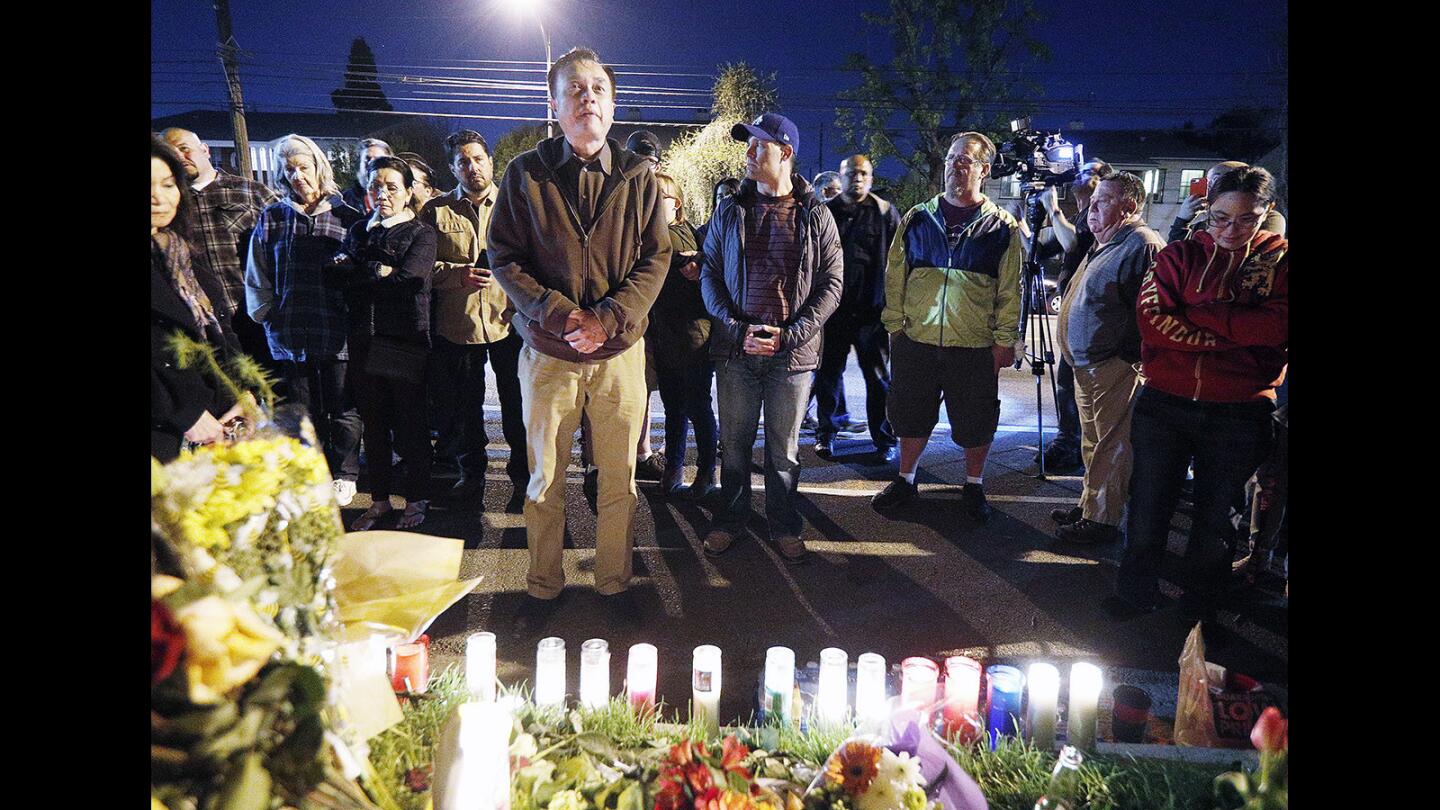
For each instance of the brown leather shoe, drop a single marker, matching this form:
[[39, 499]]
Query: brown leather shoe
[[791, 548], [718, 541]]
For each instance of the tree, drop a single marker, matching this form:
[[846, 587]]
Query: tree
[[957, 65], [361, 91], [511, 144], [742, 94], [701, 158]]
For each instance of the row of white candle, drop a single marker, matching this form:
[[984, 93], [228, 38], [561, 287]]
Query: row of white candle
[[919, 685]]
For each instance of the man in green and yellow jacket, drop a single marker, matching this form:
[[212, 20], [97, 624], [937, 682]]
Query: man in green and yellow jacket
[[952, 310]]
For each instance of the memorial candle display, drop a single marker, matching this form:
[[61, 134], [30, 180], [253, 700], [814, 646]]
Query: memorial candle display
[[640, 676], [705, 686], [412, 668], [833, 698], [918, 679], [1044, 685], [594, 673], [480, 666], [779, 682], [550, 672], [1085, 684], [1002, 716], [872, 704], [483, 778], [962, 697]]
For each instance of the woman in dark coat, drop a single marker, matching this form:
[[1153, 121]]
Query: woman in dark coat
[[679, 330], [185, 404], [385, 272]]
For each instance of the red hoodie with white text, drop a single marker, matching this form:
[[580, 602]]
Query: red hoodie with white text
[[1214, 323]]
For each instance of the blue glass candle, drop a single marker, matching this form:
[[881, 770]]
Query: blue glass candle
[[1004, 693]]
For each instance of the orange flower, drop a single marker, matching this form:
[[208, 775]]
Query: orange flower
[[698, 776], [854, 766], [733, 752], [716, 799]]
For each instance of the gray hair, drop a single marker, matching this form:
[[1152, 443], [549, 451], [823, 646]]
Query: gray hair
[[1131, 187], [823, 179], [292, 145]]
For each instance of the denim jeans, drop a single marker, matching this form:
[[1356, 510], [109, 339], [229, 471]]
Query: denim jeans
[[746, 385], [1227, 441], [324, 388]]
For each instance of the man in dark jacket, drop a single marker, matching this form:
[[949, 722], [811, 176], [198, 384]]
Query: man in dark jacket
[[367, 151], [579, 245], [772, 276], [866, 225]]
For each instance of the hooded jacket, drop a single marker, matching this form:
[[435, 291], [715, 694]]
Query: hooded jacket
[[1214, 323], [549, 265], [816, 293], [967, 297]]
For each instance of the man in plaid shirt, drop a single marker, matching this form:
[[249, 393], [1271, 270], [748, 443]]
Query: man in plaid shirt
[[225, 210]]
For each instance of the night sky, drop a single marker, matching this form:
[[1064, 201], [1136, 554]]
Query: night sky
[[1113, 65]]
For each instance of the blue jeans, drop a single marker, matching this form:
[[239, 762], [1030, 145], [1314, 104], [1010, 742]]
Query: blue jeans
[[745, 385], [1227, 441]]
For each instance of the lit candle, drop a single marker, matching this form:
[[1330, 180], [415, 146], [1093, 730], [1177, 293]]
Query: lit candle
[[1007, 685], [640, 676], [484, 762], [779, 682], [480, 666], [1085, 685], [962, 697], [594, 673], [550, 672], [412, 668], [872, 704], [833, 702], [705, 686], [918, 679], [1044, 684]]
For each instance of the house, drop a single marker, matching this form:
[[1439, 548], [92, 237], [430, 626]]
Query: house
[[336, 133]]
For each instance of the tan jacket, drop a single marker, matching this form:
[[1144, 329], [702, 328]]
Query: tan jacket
[[464, 315]]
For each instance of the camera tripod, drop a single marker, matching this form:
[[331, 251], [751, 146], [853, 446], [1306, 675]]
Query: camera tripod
[[1039, 352]]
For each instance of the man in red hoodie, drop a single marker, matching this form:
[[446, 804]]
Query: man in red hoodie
[[1214, 330]]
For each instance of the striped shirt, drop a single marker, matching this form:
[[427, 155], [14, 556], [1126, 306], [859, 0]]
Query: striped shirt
[[772, 257]]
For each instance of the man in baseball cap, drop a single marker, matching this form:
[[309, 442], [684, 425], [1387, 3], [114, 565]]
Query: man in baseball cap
[[770, 127]]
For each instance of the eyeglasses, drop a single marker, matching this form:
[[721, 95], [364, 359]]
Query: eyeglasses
[[965, 161], [1220, 222]]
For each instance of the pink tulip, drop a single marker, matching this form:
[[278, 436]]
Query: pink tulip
[[1271, 732]]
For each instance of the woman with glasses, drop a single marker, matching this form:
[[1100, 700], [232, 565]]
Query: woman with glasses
[[679, 330], [386, 268], [1214, 328]]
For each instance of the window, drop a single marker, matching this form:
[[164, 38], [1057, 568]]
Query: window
[[1154, 180]]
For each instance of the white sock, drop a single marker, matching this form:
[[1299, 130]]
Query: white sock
[[909, 477], [975, 479]]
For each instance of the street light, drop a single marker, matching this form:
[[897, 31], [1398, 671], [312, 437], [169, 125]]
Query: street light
[[533, 7]]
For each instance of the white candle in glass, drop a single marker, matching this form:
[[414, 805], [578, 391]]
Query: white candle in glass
[[705, 686], [1085, 684], [484, 762], [832, 700], [872, 704], [594, 673], [1043, 681], [919, 678], [779, 681], [640, 675], [480, 666], [550, 672]]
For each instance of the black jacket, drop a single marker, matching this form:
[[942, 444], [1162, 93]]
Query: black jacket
[[817, 293], [396, 305], [866, 230]]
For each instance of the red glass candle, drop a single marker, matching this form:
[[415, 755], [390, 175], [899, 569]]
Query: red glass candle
[[412, 662], [962, 697]]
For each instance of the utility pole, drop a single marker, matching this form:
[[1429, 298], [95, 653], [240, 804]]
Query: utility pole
[[227, 50]]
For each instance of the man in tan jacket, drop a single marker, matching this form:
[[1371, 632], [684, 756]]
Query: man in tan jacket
[[472, 324]]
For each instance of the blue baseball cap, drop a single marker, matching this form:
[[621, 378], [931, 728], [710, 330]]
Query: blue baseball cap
[[769, 127]]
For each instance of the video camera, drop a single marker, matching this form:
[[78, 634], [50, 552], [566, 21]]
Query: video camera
[[1037, 156]]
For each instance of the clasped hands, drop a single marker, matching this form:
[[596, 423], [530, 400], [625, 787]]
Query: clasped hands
[[584, 332]]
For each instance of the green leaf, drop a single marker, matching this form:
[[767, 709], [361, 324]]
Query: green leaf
[[246, 786], [633, 798], [598, 745], [242, 736], [205, 723], [274, 685]]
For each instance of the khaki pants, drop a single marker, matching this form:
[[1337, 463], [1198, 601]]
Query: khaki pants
[[1104, 395], [555, 393]]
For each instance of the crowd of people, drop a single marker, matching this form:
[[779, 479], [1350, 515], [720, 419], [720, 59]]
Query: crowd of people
[[580, 280]]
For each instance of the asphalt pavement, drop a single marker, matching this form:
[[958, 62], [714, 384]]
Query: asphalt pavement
[[927, 581]]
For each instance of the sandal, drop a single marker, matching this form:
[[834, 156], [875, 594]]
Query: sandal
[[367, 521], [414, 514]]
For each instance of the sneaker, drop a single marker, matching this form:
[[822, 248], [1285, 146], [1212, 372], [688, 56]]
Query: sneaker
[[651, 469], [1087, 532], [591, 488], [850, 426], [972, 500], [897, 493], [1065, 517], [344, 491], [718, 541], [823, 448], [673, 482], [887, 454], [791, 548], [809, 423]]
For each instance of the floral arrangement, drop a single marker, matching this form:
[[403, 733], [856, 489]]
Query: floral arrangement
[[865, 776], [693, 775]]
